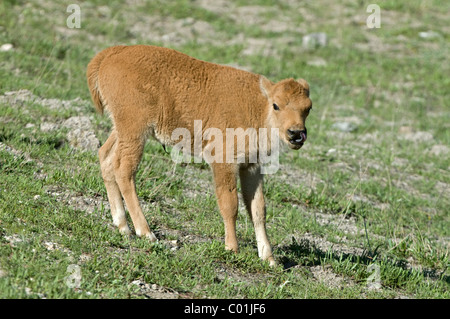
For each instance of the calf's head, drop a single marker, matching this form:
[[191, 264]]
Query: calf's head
[[289, 106]]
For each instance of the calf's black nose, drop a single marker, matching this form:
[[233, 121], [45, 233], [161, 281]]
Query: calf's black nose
[[296, 133], [297, 136]]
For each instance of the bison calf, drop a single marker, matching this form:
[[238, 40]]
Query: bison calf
[[150, 90]]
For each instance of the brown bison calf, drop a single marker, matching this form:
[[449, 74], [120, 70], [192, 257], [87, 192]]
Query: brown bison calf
[[153, 91]]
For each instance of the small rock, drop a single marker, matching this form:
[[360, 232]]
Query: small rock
[[6, 47], [81, 135], [13, 239], [29, 125], [78, 122], [50, 246], [317, 62], [47, 126], [429, 35], [314, 40], [85, 257], [84, 140], [405, 130], [105, 11], [344, 127]]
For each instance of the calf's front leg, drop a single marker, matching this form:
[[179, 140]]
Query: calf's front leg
[[252, 192], [227, 199]]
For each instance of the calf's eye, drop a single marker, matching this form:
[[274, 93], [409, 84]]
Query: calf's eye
[[275, 107]]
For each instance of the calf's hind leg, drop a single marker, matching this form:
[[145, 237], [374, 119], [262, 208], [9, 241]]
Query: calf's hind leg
[[128, 153], [106, 156]]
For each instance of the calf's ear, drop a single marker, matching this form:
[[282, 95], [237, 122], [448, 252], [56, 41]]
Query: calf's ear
[[305, 85], [265, 85]]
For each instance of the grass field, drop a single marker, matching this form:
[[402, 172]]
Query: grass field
[[361, 211]]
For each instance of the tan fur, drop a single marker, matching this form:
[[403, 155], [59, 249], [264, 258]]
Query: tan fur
[[151, 90]]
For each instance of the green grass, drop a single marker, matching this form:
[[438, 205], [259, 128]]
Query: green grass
[[344, 203]]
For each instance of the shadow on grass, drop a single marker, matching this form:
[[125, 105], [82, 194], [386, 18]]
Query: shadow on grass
[[307, 253], [395, 271]]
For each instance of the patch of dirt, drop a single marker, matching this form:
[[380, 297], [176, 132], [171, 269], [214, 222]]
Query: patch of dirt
[[408, 133], [308, 242], [375, 44], [23, 96], [16, 153], [296, 177], [153, 291], [81, 133], [183, 236], [199, 181], [87, 204], [170, 31], [326, 276], [325, 246], [440, 150], [14, 239]]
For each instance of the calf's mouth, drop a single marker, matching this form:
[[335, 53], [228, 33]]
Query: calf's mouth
[[297, 139]]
